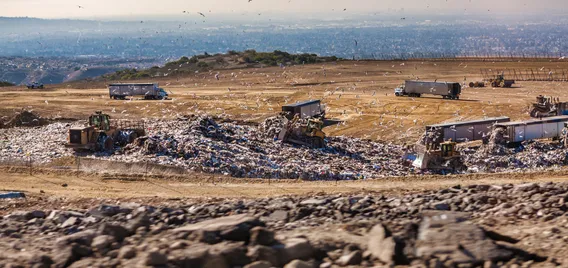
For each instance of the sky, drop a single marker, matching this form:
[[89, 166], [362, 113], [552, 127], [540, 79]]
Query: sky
[[99, 9]]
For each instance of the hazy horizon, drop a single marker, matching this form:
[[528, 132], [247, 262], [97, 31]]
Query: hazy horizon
[[103, 9]]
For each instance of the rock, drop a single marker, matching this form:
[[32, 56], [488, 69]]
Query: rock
[[102, 242], [259, 264], [114, 230], [195, 256], [108, 211], [37, 214], [235, 254], [235, 228], [379, 245], [261, 236], [208, 237], [525, 187], [298, 264], [155, 258], [69, 222], [67, 255], [278, 215], [441, 206], [62, 216], [127, 252], [353, 258], [447, 232], [178, 245], [264, 253], [314, 201], [40, 261], [141, 220], [81, 238], [26, 215], [295, 248]]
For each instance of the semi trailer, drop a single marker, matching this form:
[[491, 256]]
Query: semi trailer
[[448, 90], [147, 90]]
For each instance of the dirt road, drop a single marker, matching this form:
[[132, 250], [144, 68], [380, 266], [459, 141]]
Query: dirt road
[[68, 184]]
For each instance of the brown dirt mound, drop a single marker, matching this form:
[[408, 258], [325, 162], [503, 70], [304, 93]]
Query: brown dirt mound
[[24, 119]]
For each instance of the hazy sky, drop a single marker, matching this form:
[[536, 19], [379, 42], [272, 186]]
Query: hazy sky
[[106, 8]]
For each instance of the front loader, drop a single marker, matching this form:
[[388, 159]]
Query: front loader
[[100, 135]]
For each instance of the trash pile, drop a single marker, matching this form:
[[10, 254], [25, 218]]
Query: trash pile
[[24, 118], [529, 156], [201, 144], [40, 144]]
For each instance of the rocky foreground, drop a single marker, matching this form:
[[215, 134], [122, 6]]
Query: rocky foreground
[[455, 227]]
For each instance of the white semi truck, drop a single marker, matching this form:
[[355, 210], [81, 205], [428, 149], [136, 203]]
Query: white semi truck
[[147, 90], [447, 90]]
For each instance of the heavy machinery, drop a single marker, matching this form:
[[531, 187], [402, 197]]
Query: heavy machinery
[[547, 106], [34, 85], [439, 157], [448, 90], [499, 81], [101, 135], [307, 132], [477, 84]]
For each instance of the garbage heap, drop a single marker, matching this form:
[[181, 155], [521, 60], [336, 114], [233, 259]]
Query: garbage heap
[[23, 119], [203, 145], [496, 156]]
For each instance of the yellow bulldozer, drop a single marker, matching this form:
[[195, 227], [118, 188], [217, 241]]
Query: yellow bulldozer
[[307, 132], [438, 157], [499, 81], [101, 134]]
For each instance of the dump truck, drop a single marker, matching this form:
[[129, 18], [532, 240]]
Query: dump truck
[[306, 132], [441, 157], [147, 90], [101, 134], [500, 81], [548, 106], [448, 90], [305, 109]]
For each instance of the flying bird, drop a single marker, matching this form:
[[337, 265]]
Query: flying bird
[[201, 14], [80, 6]]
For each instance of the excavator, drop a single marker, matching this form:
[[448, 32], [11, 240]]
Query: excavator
[[439, 157], [307, 132], [99, 135]]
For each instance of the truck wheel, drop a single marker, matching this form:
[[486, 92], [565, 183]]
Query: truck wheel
[[397, 94]]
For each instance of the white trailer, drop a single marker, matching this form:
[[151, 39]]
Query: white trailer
[[464, 131], [147, 90], [448, 90], [534, 129], [305, 109]]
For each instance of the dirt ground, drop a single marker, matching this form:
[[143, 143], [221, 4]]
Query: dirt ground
[[359, 93]]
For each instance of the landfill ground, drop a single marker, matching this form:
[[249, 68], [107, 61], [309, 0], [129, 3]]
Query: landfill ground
[[125, 217]]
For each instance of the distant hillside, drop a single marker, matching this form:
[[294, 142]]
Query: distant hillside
[[55, 70], [6, 84], [230, 60]]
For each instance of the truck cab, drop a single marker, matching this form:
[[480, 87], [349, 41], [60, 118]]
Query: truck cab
[[162, 94], [399, 91]]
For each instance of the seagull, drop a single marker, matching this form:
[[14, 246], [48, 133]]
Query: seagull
[[80, 6], [201, 14]]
